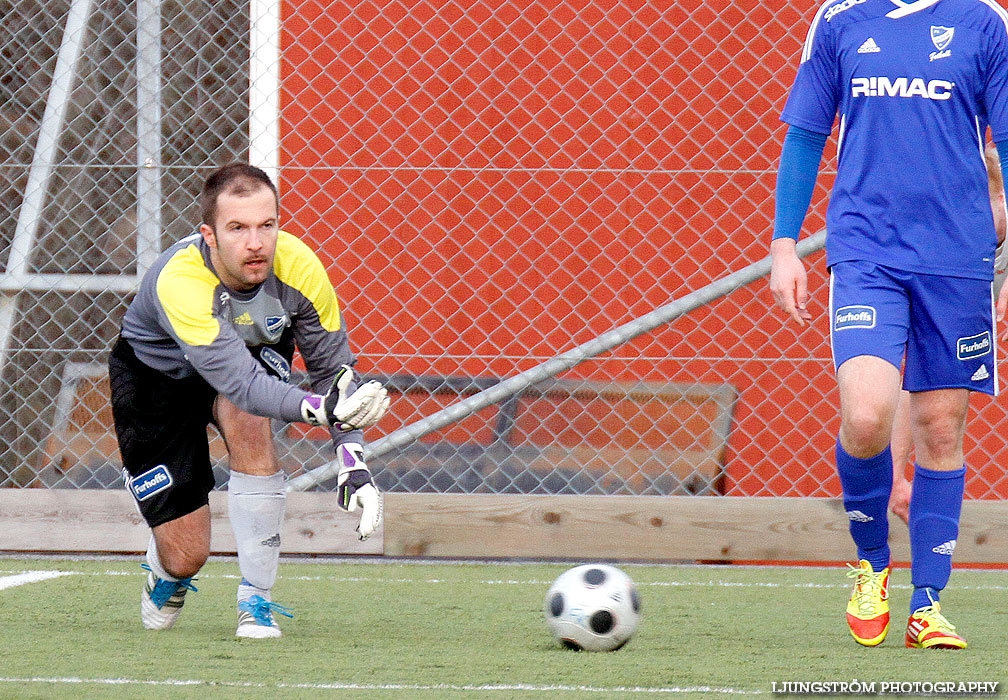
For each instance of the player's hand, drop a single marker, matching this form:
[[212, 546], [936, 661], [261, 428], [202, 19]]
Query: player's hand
[[360, 409], [899, 497], [355, 489], [789, 281]]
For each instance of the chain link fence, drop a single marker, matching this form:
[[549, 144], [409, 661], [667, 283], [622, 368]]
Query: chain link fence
[[489, 182]]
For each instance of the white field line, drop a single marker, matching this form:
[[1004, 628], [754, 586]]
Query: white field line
[[20, 579], [710, 583], [503, 687]]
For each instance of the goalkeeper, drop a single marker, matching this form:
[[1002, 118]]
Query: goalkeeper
[[210, 338]]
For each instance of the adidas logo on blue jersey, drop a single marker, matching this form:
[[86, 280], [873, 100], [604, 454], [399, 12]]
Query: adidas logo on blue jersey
[[980, 374], [869, 46], [840, 7]]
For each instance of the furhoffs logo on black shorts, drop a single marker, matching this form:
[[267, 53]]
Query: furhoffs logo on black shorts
[[151, 482]]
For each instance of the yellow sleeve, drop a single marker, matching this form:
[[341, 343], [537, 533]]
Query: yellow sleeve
[[185, 289], [297, 266]]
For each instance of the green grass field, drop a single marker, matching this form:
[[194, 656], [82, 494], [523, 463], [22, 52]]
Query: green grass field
[[470, 631]]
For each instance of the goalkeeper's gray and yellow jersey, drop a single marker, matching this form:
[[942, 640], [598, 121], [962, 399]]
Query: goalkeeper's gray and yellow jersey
[[185, 321]]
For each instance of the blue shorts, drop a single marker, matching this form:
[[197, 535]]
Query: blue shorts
[[942, 326]]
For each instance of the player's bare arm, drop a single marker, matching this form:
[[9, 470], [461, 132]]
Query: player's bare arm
[[995, 182]]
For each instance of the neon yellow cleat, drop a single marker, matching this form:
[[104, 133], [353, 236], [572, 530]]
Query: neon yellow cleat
[[927, 628], [868, 608]]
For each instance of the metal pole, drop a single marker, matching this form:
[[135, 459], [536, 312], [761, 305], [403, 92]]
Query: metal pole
[[148, 126], [264, 86], [560, 363], [40, 172]]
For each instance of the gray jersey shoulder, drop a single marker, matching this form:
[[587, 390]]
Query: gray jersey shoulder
[[208, 329]]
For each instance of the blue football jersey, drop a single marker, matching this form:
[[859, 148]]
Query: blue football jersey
[[915, 85]]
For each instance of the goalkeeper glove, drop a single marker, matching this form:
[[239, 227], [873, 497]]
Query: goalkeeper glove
[[358, 410], [354, 489]]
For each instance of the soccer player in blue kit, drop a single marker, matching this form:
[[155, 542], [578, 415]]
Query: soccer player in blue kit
[[910, 248]]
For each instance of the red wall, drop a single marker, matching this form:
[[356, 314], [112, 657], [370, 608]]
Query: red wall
[[493, 182]]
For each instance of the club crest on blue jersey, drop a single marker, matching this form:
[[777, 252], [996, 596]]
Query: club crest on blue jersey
[[941, 37], [275, 323], [855, 316], [151, 482], [974, 346]]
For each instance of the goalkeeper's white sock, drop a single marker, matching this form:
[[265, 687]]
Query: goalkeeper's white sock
[[256, 509], [246, 590], [154, 561]]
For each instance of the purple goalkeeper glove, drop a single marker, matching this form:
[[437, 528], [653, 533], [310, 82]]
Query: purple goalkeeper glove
[[360, 409], [355, 489]]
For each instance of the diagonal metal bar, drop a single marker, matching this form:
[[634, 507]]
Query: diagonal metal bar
[[519, 382]]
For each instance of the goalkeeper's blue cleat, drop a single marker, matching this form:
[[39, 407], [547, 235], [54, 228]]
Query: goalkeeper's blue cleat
[[162, 600], [255, 618]]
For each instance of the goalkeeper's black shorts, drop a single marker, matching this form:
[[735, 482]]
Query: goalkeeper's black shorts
[[161, 425]]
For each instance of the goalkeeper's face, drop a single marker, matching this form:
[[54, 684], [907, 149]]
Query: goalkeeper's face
[[244, 237]]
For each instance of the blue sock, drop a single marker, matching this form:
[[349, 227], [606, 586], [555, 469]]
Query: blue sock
[[867, 484], [935, 505]]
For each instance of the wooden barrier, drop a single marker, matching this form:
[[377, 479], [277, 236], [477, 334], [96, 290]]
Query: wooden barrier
[[708, 528], [644, 528], [106, 520]]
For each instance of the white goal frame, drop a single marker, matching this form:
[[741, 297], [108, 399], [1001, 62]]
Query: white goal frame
[[264, 150]]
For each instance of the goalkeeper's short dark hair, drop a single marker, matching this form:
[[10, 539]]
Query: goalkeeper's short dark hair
[[239, 179]]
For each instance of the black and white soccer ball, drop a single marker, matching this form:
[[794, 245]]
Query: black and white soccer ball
[[593, 607]]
